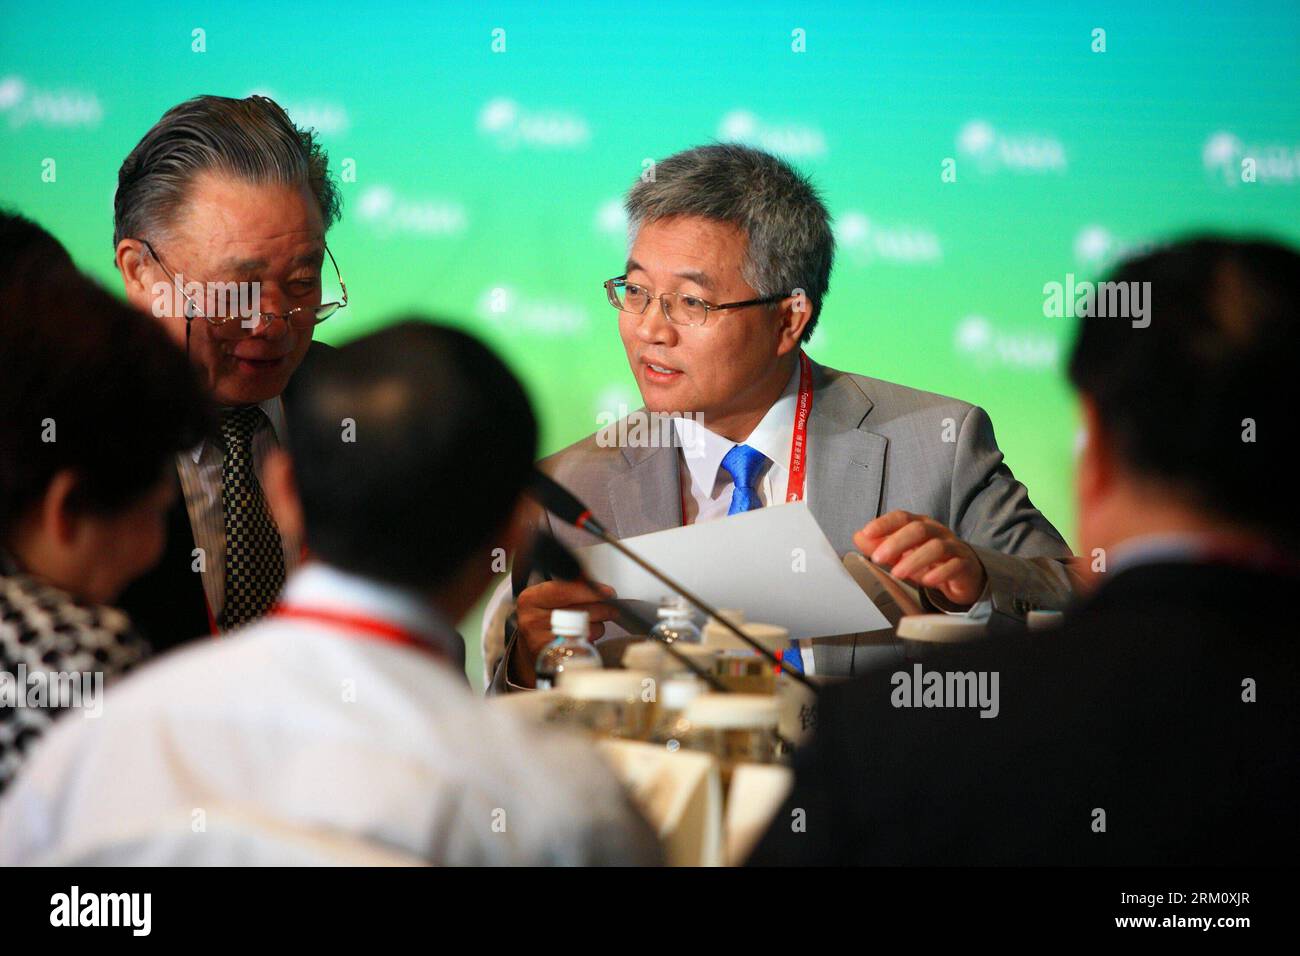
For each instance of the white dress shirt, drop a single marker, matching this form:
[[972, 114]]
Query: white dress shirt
[[200, 474], [711, 486], [297, 733]]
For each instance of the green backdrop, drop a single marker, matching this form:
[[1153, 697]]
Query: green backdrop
[[484, 152]]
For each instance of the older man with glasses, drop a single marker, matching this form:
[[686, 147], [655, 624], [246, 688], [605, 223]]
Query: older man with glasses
[[219, 227], [729, 262]]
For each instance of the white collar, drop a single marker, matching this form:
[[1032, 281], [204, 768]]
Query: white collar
[[703, 450], [274, 409], [323, 586]]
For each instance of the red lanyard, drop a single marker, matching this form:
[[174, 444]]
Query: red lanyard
[[799, 441], [362, 626], [798, 469]]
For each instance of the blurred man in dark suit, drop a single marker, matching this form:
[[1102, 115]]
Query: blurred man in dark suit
[[1159, 726], [220, 221]]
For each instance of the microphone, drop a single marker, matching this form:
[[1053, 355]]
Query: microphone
[[561, 502], [559, 562], [557, 499]]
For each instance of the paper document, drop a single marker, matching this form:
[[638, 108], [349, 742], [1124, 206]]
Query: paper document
[[773, 563]]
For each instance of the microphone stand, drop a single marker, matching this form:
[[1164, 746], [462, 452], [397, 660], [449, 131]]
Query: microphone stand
[[544, 486]]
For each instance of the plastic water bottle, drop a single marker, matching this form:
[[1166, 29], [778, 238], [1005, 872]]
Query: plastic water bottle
[[569, 651], [675, 624]]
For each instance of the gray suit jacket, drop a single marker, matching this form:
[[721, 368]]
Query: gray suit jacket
[[873, 447]]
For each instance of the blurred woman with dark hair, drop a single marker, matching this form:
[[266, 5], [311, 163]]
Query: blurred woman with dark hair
[[94, 402]]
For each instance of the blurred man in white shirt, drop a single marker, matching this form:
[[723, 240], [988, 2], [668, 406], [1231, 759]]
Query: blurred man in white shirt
[[340, 728]]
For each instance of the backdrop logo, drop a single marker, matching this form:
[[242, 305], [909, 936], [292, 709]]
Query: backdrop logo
[[611, 219], [1096, 248], [1227, 156], [986, 346], [388, 214], [742, 126], [867, 241], [509, 309], [328, 118], [992, 150], [57, 108], [510, 126]]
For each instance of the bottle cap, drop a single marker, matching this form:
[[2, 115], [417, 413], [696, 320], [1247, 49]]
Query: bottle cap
[[567, 623]]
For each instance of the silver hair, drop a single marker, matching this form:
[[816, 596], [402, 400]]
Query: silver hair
[[251, 139], [791, 245]]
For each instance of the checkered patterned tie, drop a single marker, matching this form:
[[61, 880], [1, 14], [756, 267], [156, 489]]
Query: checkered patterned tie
[[254, 555]]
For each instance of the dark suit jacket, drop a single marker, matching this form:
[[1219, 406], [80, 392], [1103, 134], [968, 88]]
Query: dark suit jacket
[[167, 605], [1135, 708]]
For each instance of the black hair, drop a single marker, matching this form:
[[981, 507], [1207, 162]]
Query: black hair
[[86, 383], [442, 444], [1199, 397]]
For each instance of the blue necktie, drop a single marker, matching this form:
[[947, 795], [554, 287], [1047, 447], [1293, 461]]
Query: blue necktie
[[743, 465]]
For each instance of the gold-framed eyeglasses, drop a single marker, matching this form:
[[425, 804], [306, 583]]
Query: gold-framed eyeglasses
[[232, 325], [678, 307]]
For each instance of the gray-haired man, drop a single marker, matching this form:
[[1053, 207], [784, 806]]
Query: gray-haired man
[[219, 231], [730, 259]]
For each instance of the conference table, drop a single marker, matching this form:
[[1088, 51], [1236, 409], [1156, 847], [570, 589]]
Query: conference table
[[680, 791]]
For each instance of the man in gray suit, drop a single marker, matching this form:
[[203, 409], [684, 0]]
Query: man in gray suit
[[730, 259]]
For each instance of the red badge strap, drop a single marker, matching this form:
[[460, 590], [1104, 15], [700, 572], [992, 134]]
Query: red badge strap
[[799, 442], [359, 625]]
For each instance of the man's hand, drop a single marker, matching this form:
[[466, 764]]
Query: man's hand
[[921, 551], [533, 615]]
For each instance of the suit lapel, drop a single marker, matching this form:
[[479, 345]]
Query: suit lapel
[[647, 496], [846, 462]]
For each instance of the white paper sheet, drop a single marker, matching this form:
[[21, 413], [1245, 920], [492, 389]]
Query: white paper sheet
[[773, 563]]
